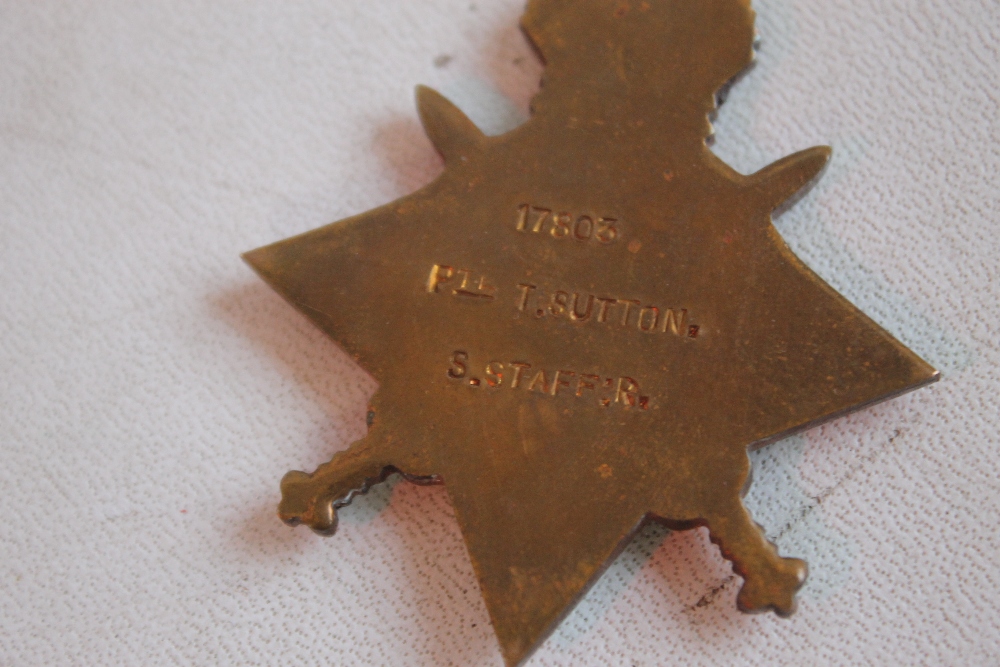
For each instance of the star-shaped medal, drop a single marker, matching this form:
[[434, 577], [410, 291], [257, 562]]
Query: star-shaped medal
[[583, 324]]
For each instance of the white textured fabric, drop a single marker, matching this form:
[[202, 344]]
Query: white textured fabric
[[153, 390]]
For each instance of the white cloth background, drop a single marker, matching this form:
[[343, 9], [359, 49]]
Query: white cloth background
[[153, 390]]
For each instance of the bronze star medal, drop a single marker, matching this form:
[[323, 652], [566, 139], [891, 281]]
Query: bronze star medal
[[584, 323]]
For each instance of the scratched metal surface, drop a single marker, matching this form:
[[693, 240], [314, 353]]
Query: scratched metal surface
[[153, 388]]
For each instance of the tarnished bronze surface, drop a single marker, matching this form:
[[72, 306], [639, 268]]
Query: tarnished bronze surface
[[584, 323]]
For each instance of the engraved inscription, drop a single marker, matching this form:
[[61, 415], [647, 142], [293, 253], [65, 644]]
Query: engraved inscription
[[581, 227], [582, 307], [576, 306], [459, 282], [600, 390]]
